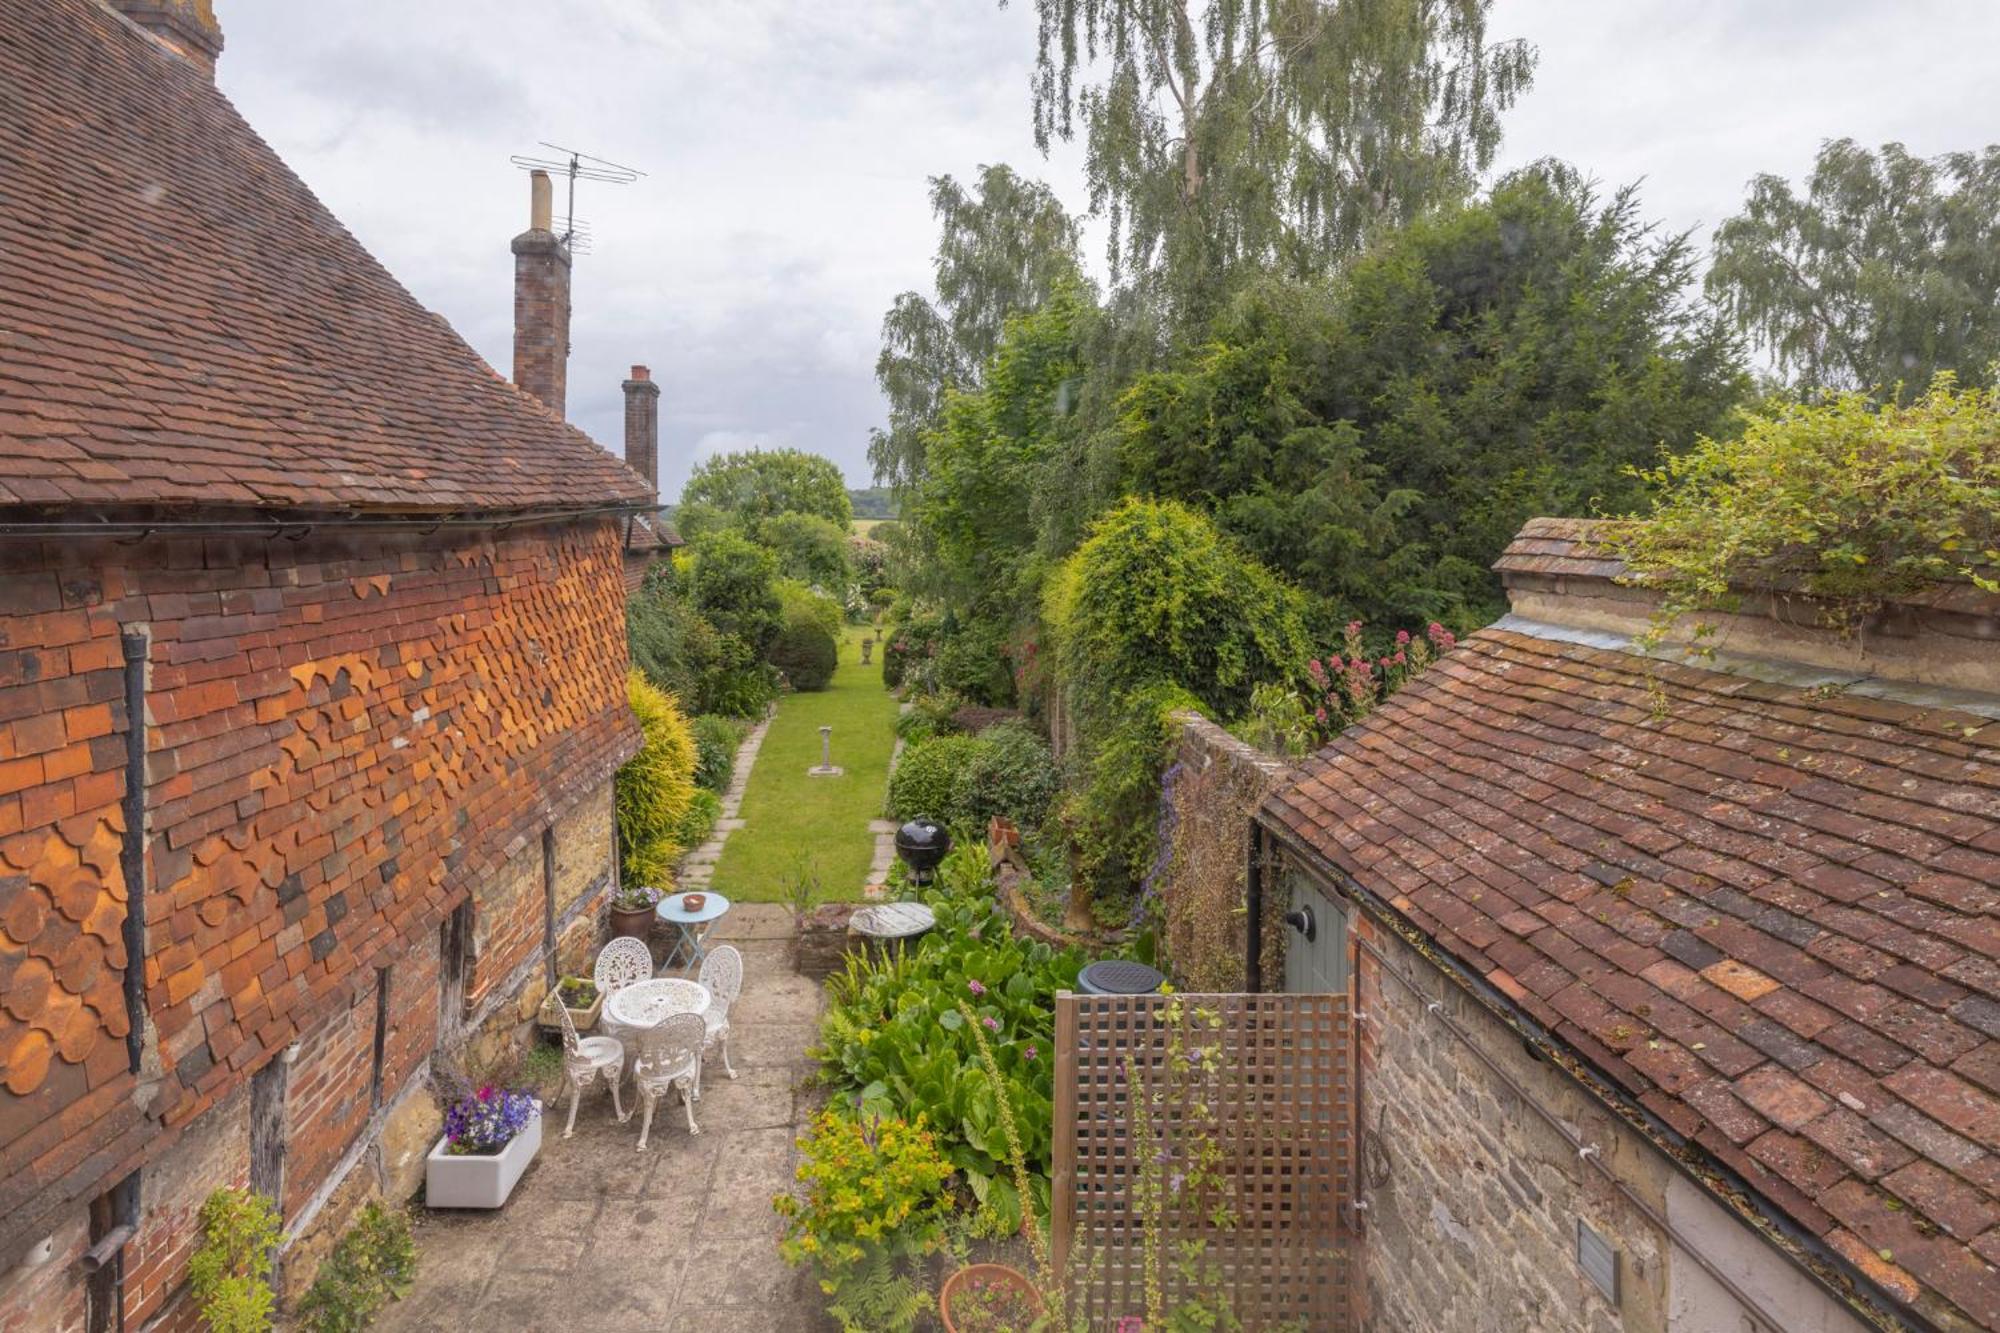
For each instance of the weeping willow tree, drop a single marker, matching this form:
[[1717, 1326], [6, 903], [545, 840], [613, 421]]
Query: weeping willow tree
[[1227, 135], [1003, 247]]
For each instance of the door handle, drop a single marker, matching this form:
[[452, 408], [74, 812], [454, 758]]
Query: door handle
[[1301, 920]]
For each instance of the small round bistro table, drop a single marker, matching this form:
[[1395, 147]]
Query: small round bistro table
[[693, 926], [644, 1004], [892, 921]]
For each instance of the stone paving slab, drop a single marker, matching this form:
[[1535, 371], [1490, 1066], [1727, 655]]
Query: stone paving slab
[[677, 1239]]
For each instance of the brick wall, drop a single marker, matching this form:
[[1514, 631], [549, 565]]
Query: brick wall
[[213, 1154], [347, 734], [48, 1298], [1474, 1197]]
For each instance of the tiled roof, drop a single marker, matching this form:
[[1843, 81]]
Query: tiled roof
[[650, 532], [1771, 916], [181, 321], [1562, 546]]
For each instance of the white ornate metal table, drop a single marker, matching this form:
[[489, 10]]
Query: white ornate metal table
[[644, 1003]]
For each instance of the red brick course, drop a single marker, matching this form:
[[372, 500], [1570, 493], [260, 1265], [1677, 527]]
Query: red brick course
[[1767, 915]]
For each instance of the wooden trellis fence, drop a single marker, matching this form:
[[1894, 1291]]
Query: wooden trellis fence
[[1261, 1087]]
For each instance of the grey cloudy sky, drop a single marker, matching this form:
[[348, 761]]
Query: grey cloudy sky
[[788, 144]]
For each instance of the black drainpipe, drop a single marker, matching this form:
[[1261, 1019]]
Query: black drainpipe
[[1253, 882], [137, 642]]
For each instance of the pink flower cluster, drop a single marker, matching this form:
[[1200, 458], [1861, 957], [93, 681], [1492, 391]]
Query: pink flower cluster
[[1349, 684]]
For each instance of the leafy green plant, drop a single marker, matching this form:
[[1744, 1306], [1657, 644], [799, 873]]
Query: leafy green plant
[[893, 1041], [1012, 775], [715, 743], [704, 808], [807, 655], [372, 1265], [654, 788], [1843, 500], [230, 1270], [874, 1208], [934, 778]]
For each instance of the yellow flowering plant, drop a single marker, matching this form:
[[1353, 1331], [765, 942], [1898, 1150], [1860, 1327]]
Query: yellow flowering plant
[[873, 1208]]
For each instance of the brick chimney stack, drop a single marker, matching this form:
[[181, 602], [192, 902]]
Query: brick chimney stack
[[185, 27], [541, 301], [642, 425]]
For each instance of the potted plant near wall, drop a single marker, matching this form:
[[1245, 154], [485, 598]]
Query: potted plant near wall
[[580, 996], [490, 1136], [632, 911]]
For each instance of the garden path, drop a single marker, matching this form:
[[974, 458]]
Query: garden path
[[697, 868], [788, 815], [599, 1238]]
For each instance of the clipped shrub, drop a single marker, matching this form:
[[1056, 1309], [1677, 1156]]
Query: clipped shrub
[[230, 1270], [972, 662], [807, 655], [653, 790], [933, 779], [372, 1265], [715, 742], [1012, 774]]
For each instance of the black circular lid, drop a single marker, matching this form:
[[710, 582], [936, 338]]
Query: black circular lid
[[1121, 976], [923, 831]]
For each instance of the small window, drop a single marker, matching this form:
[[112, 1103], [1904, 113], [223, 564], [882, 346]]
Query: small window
[[1597, 1259]]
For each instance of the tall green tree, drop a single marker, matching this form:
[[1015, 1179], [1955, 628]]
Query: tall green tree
[[1380, 436], [1002, 248], [1226, 136], [1885, 272], [744, 489]]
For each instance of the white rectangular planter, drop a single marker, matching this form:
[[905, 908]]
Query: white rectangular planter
[[452, 1181]]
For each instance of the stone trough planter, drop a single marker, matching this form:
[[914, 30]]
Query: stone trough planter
[[473, 1181]]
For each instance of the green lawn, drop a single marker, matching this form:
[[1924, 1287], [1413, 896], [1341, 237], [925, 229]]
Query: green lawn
[[786, 813]]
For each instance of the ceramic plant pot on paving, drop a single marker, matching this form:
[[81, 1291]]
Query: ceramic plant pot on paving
[[988, 1296], [636, 922], [582, 1017], [479, 1180]]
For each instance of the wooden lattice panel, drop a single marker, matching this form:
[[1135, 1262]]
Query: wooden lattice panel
[[1280, 1101]]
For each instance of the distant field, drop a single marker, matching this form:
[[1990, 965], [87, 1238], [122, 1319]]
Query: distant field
[[864, 526]]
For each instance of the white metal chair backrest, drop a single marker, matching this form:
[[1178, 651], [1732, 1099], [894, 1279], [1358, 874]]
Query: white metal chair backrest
[[570, 1039], [620, 963], [669, 1046], [722, 974]]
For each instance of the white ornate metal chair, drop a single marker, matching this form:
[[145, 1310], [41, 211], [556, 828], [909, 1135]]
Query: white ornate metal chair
[[623, 962], [620, 963], [669, 1057], [585, 1060], [722, 974]]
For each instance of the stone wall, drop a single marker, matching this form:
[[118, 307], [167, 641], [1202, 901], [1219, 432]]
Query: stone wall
[[1474, 1196], [1211, 790]]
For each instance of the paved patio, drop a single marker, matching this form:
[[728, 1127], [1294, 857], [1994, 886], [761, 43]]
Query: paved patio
[[679, 1239]]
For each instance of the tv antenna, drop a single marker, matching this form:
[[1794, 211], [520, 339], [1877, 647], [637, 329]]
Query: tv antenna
[[577, 166]]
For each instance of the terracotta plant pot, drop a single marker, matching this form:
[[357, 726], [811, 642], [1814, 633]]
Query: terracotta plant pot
[[962, 1291], [693, 902], [635, 922]]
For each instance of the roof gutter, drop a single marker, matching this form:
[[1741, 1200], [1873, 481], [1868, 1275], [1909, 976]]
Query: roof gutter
[[298, 526], [1807, 1252]]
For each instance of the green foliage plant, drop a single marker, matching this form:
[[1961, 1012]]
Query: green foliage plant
[[894, 1043], [1846, 501], [812, 549], [230, 1270], [372, 1265], [806, 656], [704, 808], [732, 581], [653, 790], [873, 1209], [1013, 775], [716, 740], [934, 778], [680, 651]]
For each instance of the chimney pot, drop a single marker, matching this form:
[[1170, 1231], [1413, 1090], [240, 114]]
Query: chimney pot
[[541, 202], [185, 27], [641, 373]]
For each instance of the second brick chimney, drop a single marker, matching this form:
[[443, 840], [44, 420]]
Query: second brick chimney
[[185, 27], [541, 301], [642, 425]]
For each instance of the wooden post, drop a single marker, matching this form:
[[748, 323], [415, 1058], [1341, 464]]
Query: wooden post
[[1062, 1195]]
